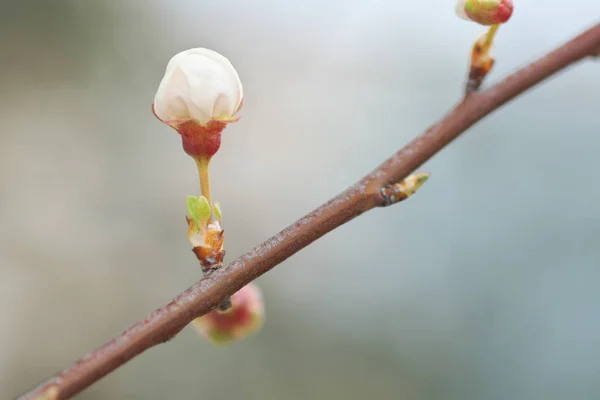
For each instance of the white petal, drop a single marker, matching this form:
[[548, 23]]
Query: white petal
[[199, 84], [172, 97]]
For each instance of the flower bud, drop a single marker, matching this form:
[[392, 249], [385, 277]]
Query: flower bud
[[200, 93], [245, 317], [485, 12]]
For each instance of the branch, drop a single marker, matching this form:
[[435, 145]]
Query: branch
[[164, 323]]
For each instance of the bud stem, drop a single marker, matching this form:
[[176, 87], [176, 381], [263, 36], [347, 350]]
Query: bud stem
[[481, 59], [202, 164], [490, 34]]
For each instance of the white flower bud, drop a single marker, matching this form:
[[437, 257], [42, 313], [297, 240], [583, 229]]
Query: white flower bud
[[199, 85]]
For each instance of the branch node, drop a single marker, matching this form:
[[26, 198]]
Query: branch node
[[225, 304], [211, 261], [51, 393], [398, 192]]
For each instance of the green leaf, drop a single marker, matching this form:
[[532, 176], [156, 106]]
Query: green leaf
[[422, 177], [203, 209], [192, 209], [218, 212], [198, 209]]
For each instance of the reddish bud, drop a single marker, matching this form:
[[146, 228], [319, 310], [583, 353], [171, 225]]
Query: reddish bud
[[245, 317], [485, 12]]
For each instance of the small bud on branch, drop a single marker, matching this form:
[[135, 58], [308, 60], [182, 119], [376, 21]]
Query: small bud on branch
[[401, 191], [245, 316], [481, 61], [485, 12]]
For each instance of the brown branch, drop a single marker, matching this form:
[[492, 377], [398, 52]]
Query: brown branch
[[164, 323]]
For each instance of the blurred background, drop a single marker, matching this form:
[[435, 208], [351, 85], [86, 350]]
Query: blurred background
[[485, 285]]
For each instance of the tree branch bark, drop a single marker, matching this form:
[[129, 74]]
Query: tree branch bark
[[164, 323]]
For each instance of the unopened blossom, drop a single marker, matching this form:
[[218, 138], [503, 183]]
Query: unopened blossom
[[245, 317], [485, 12], [200, 85], [200, 93]]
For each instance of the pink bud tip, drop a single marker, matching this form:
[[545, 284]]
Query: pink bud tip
[[485, 12]]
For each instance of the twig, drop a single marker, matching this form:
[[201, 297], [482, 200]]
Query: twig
[[164, 323]]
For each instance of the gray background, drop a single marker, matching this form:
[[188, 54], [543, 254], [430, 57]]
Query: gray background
[[482, 286]]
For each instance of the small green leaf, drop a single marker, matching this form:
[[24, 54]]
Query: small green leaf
[[192, 209], [422, 177], [203, 209], [198, 209], [218, 212]]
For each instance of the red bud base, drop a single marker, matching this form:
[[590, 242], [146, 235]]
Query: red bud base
[[201, 140]]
